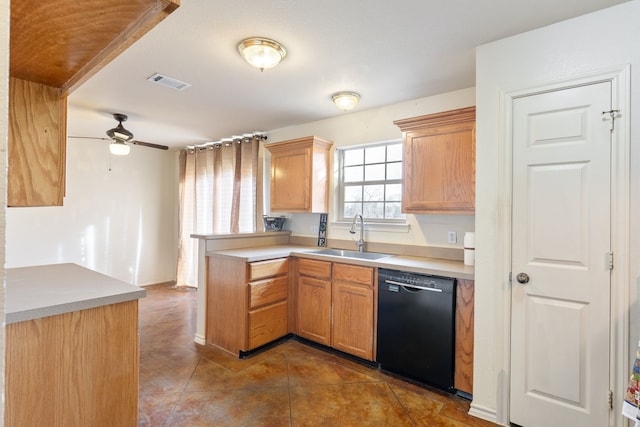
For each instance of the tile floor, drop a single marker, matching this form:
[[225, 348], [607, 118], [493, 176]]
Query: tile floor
[[291, 384]]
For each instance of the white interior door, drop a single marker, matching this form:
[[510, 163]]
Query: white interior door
[[560, 242]]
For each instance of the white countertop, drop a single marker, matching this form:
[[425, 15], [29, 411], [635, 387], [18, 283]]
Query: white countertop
[[47, 290], [434, 266]]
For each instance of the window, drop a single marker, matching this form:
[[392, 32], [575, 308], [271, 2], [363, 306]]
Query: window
[[371, 182]]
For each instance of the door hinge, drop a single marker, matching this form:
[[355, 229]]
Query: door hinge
[[610, 400], [610, 260], [510, 278], [612, 115]]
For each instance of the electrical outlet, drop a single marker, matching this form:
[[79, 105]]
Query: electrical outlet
[[452, 237], [314, 229]]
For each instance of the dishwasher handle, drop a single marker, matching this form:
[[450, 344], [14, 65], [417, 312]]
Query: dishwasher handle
[[407, 286]]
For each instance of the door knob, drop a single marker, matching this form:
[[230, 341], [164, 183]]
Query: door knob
[[522, 278]]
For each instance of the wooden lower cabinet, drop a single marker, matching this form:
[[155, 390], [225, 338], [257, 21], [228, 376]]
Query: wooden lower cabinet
[[314, 309], [353, 319], [247, 303], [267, 324], [335, 306], [463, 378], [74, 369]]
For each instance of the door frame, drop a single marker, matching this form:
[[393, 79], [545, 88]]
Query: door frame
[[620, 227]]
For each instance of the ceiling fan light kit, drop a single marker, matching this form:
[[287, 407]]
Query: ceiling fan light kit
[[346, 100], [119, 148], [261, 52]]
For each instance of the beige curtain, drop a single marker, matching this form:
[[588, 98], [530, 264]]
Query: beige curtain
[[217, 195]]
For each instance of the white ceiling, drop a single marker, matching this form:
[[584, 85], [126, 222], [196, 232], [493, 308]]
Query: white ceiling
[[388, 51]]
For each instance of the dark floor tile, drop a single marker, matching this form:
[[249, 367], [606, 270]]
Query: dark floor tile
[[154, 410], [270, 373], [364, 404], [306, 369], [166, 371], [290, 384], [233, 408]]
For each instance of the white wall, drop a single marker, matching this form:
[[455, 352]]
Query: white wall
[[371, 126], [119, 216], [587, 44]]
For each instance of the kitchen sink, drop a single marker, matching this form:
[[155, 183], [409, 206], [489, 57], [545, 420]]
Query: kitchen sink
[[350, 254]]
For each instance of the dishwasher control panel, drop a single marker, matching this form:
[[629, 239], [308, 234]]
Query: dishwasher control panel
[[402, 278]]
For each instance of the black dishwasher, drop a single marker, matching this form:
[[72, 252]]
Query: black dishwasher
[[416, 326]]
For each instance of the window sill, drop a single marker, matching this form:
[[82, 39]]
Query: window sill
[[388, 227]]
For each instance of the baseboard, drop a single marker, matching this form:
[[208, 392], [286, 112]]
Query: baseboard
[[484, 413], [199, 339]]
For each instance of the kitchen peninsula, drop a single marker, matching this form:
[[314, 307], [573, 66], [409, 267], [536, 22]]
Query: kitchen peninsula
[[259, 293], [72, 351]]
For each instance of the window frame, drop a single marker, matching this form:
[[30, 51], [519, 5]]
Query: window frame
[[341, 183]]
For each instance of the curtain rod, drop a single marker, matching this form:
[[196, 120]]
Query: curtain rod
[[227, 141]]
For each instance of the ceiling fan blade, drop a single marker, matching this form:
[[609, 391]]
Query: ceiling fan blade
[[149, 144], [90, 137]]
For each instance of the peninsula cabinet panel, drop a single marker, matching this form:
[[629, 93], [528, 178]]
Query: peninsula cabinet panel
[[314, 309], [300, 175], [463, 378], [37, 144], [439, 163], [75, 369], [227, 304]]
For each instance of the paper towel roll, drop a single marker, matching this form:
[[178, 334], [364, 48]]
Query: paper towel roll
[[469, 256], [470, 240], [469, 248]]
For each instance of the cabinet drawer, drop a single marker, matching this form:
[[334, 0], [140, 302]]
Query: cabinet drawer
[[268, 291], [311, 267], [267, 324], [269, 268], [353, 274]]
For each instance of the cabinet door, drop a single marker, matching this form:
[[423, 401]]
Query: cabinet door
[[439, 176], [353, 319], [37, 144], [314, 309], [439, 163], [290, 181]]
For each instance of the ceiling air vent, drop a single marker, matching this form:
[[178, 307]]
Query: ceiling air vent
[[168, 81]]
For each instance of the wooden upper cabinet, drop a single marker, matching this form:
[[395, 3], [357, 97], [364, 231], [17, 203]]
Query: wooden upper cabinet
[[55, 46], [439, 162], [37, 144], [300, 175]]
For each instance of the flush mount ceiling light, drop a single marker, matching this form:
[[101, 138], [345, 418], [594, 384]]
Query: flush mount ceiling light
[[346, 100], [262, 53]]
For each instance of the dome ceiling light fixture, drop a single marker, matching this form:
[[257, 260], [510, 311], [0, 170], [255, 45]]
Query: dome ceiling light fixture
[[346, 100], [261, 52]]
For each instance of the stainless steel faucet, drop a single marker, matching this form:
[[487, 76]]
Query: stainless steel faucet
[[359, 243]]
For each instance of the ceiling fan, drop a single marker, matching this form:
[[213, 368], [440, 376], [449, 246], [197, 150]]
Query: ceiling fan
[[121, 137]]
